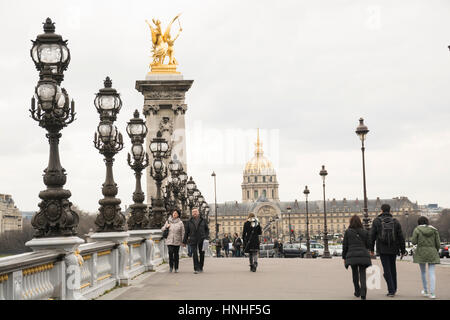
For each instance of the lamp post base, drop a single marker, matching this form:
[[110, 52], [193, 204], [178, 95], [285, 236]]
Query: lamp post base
[[67, 244], [326, 255]]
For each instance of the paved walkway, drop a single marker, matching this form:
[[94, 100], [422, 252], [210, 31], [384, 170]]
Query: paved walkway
[[284, 279]]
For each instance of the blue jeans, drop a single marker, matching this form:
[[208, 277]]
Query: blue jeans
[[432, 275]]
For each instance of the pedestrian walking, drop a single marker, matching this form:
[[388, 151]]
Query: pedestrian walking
[[251, 232], [355, 252], [218, 247], [237, 245], [387, 233], [174, 239], [196, 232], [226, 244], [426, 238]]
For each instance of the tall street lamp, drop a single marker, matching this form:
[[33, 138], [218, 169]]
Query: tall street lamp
[[191, 186], [108, 141], [290, 228], [308, 247], [326, 253], [407, 226], [52, 109], [137, 130], [362, 131], [215, 205], [49, 50], [158, 171]]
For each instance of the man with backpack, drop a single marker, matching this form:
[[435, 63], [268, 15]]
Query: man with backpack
[[387, 232]]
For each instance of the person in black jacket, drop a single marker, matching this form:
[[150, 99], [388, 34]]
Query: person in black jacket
[[196, 232], [387, 232], [226, 244], [355, 252], [252, 231]]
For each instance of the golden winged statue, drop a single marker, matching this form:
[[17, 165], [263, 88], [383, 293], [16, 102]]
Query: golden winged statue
[[162, 47]]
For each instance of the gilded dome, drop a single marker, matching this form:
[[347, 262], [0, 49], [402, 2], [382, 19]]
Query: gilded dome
[[259, 164]]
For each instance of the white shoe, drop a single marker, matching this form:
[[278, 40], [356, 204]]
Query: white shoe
[[424, 293], [432, 296]]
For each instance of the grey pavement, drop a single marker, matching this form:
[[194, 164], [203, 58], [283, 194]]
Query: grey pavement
[[277, 279]]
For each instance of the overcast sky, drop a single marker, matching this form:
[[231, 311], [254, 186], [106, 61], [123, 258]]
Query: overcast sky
[[302, 71]]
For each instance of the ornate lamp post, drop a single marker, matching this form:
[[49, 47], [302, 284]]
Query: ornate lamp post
[[108, 141], [182, 195], [362, 131], [308, 247], [326, 253], [49, 50], [52, 109], [215, 205], [158, 171], [191, 186], [290, 228], [137, 130]]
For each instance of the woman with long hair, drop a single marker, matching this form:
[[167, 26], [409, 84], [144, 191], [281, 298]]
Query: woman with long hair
[[355, 252], [426, 238], [252, 231]]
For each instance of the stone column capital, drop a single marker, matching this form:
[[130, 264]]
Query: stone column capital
[[180, 108], [150, 109]]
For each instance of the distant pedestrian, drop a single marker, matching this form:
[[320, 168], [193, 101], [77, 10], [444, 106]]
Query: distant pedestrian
[[387, 232], [196, 232], [174, 239], [252, 231], [226, 244], [426, 238], [355, 252], [218, 247], [237, 245]]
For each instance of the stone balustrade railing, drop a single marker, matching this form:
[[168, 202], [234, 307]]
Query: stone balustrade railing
[[93, 269]]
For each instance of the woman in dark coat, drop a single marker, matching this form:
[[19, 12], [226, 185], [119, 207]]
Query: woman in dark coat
[[250, 235], [355, 252]]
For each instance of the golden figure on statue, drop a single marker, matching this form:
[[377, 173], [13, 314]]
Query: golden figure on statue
[[162, 47]]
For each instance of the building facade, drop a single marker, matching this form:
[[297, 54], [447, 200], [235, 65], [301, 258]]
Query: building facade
[[10, 216], [260, 196]]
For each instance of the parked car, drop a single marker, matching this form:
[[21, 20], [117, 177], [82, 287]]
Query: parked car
[[293, 250], [266, 250], [443, 251], [335, 250], [318, 248], [410, 250]]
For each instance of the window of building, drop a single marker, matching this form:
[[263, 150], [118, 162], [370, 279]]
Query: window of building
[[270, 178], [273, 194], [256, 194], [264, 193], [256, 179], [248, 194], [264, 178]]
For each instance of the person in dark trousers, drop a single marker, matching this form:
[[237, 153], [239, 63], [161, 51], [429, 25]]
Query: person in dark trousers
[[225, 244], [218, 247], [174, 239], [237, 243], [355, 252], [196, 232], [252, 231], [387, 233]]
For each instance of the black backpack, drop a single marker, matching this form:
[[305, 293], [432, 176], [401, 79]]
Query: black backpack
[[387, 234]]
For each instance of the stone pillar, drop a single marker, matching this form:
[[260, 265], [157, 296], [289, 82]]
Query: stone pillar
[[164, 110]]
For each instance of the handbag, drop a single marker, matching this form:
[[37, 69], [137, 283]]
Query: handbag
[[165, 233]]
